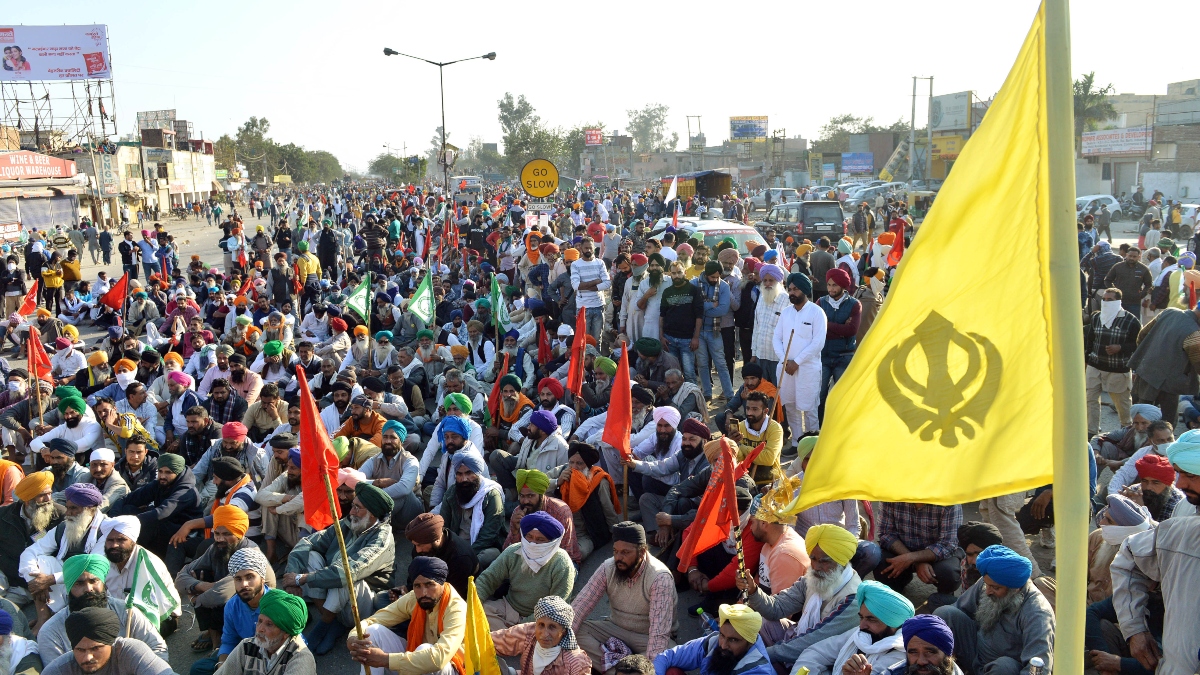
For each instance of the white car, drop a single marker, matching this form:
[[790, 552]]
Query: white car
[[759, 201], [1091, 204]]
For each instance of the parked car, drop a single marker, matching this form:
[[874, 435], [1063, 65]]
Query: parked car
[[713, 230], [778, 195], [1091, 204], [822, 218]]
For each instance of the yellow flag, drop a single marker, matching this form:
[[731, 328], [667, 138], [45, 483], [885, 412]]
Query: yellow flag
[[951, 396], [479, 652]]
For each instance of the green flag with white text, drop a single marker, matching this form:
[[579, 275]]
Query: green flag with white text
[[360, 299], [499, 309], [421, 302], [149, 592]]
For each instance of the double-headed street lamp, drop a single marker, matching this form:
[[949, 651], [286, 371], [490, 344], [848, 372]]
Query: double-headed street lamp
[[490, 56]]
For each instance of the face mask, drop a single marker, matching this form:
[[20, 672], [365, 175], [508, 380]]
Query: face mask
[[125, 378], [12, 266], [1108, 311], [16, 387]]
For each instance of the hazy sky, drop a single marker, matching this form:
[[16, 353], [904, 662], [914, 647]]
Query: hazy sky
[[317, 71]]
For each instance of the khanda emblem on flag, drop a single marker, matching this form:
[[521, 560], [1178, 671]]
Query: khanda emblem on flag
[[962, 376]]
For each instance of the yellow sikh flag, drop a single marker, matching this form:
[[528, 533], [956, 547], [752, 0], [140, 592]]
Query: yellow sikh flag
[[957, 392], [479, 652]]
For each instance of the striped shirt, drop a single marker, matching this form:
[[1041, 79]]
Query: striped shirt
[[243, 499]]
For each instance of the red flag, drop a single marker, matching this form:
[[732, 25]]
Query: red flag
[[494, 398], [717, 512], [620, 411], [578, 349], [29, 306], [38, 361], [1191, 296], [245, 286], [164, 266], [439, 253], [675, 217], [318, 459], [545, 354], [897, 251], [115, 296]]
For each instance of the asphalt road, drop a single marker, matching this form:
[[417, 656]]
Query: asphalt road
[[198, 237]]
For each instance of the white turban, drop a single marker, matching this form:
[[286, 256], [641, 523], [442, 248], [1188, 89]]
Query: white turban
[[565, 331], [129, 526], [103, 454], [666, 412]]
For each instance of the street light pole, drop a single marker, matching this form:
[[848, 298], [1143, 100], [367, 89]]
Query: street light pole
[[490, 56]]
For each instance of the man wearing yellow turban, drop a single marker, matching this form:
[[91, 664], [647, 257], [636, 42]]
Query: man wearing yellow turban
[[735, 646], [531, 493]]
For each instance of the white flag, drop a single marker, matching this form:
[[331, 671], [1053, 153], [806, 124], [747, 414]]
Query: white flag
[[149, 592], [673, 191], [421, 304]]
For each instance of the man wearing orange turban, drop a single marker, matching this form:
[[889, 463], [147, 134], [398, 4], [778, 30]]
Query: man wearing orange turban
[[208, 598]]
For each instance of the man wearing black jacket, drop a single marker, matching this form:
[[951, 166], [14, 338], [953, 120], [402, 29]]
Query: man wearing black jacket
[[163, 506], [1109, 339], [430, 537], [12, 282]]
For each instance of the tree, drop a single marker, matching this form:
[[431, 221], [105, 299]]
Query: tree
[[574, 141], [648, 127], [525, 136], [515, 113], [1092, 106], [400, 169], [225, 152], [834, 136]]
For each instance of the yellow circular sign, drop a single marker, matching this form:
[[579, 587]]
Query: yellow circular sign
[[539, 178]]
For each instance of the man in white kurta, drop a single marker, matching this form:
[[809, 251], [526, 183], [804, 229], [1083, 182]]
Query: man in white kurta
[[798, 340]]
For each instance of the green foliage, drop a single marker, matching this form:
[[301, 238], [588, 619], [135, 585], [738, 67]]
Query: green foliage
[[254, 148], [385, 166], [1092, 105], [648, 127], [835, 134], [526, 137]]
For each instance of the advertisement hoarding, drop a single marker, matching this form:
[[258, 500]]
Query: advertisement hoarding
[[222, 174], [1131, 142], [829, 171], [951, 112], [34, 53], [281, 178], [156, 119], [744, 128], [858, 162], [814, 168], [593, 137], [26, 164], [110, 182], [947, 147]]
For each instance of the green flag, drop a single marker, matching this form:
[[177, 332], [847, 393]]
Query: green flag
[[499, 309], [149, 593], [360, 299], [421, 302]]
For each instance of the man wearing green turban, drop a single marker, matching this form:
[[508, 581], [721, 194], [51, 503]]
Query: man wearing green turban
[[876, 642], [72, 403], [314, 567], [277, 641], [273, 348], [605, 365], [532, 486], [83, 577]]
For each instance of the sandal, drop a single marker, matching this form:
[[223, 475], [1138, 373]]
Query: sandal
[[202, 644]]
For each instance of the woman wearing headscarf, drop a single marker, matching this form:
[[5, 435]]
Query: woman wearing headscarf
[[546, 645]]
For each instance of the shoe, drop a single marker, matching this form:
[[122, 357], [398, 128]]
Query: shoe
[[330, 640], [1047, 537], [317, 635]]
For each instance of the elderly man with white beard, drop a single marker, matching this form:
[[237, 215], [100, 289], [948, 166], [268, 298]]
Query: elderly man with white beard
[[315, 570], [31, 516], [382, 356], [874, 645], [1115, 448], [276, 641], [434, 358], [773, 299], [123, 552], [1003, 621], [79, 533], [825, 598], [17, 654]]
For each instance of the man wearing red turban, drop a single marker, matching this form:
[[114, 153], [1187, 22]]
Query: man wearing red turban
[[842, 314]]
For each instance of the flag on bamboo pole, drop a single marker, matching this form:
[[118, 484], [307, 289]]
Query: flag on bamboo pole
[[115, 295], [620, 408], [149, 592], [499, 309], [479, 652], [38, 362], [578, 352], [494, 397], [897, 251], [421, 302], [672, 191], [29, 304], [360, 299], [717, 512], [958, 371], [317, 458]]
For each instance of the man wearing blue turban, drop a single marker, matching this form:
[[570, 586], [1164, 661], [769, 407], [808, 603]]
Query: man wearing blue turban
[[533, 569], [875, 644], [1002, 621]]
